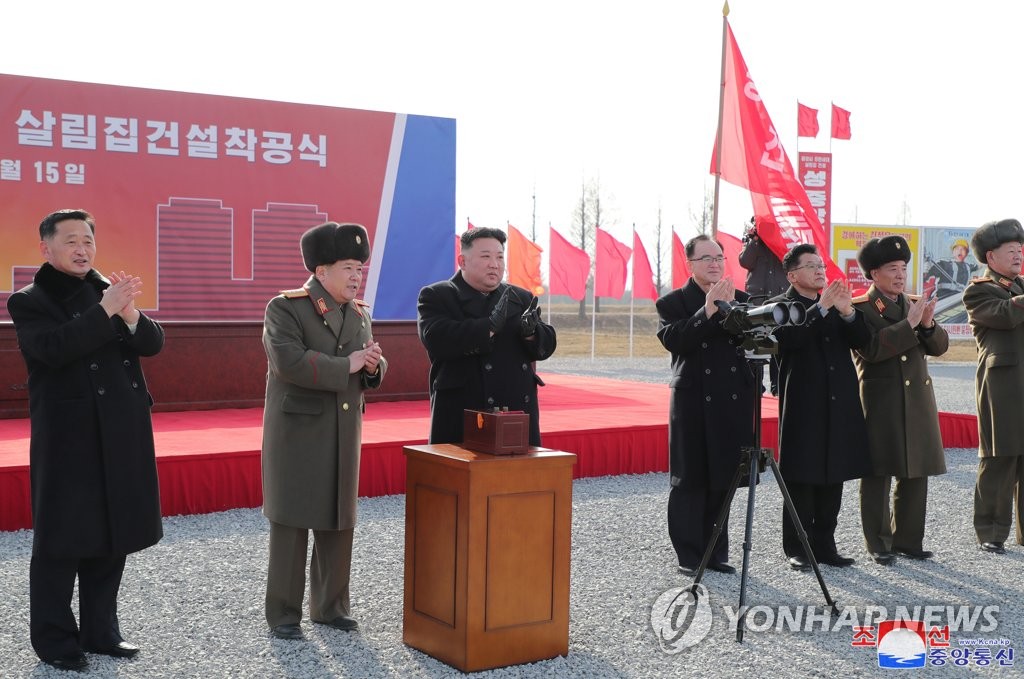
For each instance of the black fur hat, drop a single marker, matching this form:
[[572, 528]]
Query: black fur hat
[[991, 235], [879, 251], [327, 243]]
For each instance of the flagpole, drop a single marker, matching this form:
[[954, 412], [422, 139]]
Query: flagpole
[[831, 108], [632, 296], [593, 315], [721, 117]]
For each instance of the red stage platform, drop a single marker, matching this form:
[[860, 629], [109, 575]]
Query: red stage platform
[[209, 461]]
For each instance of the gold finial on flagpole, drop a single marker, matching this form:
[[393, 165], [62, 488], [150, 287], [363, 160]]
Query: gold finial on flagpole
[[725, 9]]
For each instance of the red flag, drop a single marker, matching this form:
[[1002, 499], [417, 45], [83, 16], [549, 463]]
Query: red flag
[[731, 246], [753, 158], [806, 121], [643, 277], [568, 268], [840, 123], [680, 269], [523, 262], [610, 261]]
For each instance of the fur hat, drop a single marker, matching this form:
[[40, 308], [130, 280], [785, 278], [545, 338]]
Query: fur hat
[[991, 235], [327, 243], [879, 251]]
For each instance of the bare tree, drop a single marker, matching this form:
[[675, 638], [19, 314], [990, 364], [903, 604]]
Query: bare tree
[[659, 252], [587, 216], [905, 212], [703, 220]]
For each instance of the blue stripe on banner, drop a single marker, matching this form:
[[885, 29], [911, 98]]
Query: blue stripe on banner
[[420, 247]]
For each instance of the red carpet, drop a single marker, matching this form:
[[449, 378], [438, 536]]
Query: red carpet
[[209, 461]]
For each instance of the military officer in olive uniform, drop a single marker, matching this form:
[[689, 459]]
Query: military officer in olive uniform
[[711, 411], [899, 403], [995, 309], [483, 338], [321, 356]]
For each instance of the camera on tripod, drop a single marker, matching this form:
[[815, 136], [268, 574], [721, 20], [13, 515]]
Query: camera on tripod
[[756, 324]]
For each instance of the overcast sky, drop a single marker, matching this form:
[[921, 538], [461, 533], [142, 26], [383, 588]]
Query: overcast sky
[[550, 93]]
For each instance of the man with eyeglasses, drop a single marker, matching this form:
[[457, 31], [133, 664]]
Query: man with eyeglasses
[[321, 356], [995, 310], [711, 408], [899, 403], [822, 437]]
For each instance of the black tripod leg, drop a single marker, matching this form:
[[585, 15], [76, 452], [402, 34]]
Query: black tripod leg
[[748, 541], [723, 515], [801, 532]]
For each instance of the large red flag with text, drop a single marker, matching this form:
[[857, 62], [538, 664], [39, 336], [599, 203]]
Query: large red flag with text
[[753, 158], [840, 123], [731, 246], [643, 277], [568, 268], [523, 262], [680, 269], [806, 121], [610, 262]]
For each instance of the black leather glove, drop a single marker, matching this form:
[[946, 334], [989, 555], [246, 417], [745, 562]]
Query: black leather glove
[[529, 320], [500, 312]]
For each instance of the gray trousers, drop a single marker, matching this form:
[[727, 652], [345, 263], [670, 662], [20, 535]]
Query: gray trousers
[[997, 492], [902, 527], [329, 569]]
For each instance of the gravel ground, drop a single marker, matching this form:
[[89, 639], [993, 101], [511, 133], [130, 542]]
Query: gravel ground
[[194, 603]]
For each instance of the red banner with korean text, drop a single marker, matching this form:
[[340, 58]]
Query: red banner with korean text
[[205, 197], [816, 177], [753, 158]]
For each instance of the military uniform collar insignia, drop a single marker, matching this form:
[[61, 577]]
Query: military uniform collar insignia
[[879, 304]]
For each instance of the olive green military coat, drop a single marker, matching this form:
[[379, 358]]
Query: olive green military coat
[[312, 419], [995, 310], [896, 391]]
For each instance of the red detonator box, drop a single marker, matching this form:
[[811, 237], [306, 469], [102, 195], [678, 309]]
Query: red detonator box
[[497, 433]]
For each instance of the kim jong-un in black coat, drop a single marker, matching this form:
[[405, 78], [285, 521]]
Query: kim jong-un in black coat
[[471, 367]]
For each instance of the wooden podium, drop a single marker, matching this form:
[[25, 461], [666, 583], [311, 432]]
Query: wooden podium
[[487, 555]]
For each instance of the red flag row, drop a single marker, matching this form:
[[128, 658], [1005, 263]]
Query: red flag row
[[569, 266], [807, 122]]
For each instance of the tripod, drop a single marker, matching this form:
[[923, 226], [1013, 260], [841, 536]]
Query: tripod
[[754, 459]]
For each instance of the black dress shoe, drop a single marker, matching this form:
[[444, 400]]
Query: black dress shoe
[[883, 558], [799, 563], [687, 571], [342, 622], [291, 630], [836, 560], [74, 662], [993, 547], [917, 554], [722, 568], [121, 649]]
